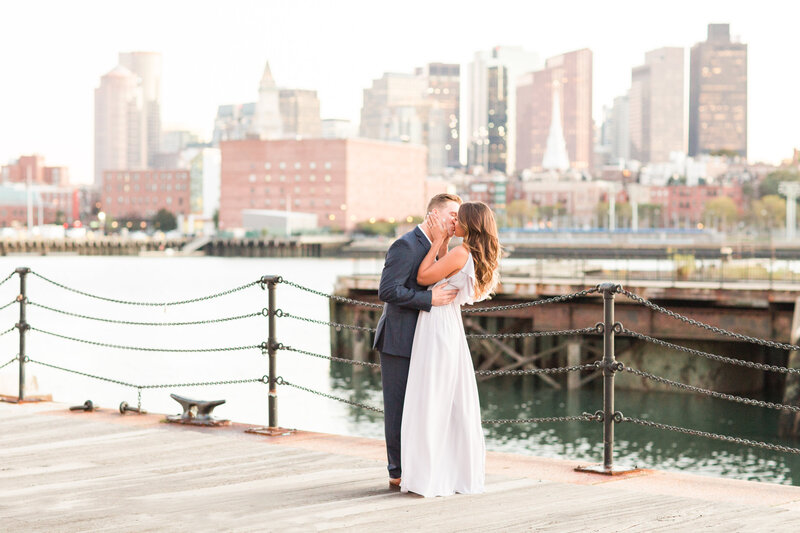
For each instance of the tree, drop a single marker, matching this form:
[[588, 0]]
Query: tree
[[216, 219], [519, 212], [723, 210], [769, 212], [165, 220], [770, 183]]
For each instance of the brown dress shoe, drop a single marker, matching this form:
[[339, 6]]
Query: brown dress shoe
[[394, 483]]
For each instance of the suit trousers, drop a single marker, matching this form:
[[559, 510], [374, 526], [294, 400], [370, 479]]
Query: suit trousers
[[394, 376]]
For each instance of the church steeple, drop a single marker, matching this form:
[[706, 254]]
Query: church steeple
[[555, 154], [267, 81], [268, 123]]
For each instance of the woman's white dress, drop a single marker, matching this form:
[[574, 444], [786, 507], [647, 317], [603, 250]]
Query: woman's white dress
[[442, 446]]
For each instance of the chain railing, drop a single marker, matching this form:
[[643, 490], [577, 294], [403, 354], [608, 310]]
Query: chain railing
[[608, 365]]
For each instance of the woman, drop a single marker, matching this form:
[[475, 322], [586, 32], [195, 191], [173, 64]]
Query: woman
[[442, 446]]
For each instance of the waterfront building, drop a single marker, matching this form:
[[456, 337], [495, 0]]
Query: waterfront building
[[718, 94], [120, 126], [342, 181], [33, 166], [567, 77], [147, 66], [299, 110], [684, 205], [490, 128], [140, 194], [656, 106]]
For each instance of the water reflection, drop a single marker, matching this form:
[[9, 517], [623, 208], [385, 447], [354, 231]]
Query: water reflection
[[523, 397]]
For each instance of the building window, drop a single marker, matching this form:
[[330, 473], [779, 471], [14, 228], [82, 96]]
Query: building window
[[327, 164], [312, 165], [267, 165], [267, 178], [169, 188], [109, 200], [252, 178], [312, 177], [327, 177], [267, 201], [282, 202], [283, 178], [282, 165], [297, 166], [169, 199], [327, 202], [297, 203], [297, 190], [266, 190], [297, 177]]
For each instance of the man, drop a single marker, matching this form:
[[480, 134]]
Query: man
[[404, 299]]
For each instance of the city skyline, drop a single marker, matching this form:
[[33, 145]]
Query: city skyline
[[219, 58]]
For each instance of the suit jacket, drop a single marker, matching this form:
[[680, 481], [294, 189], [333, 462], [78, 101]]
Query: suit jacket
[[404, 298]]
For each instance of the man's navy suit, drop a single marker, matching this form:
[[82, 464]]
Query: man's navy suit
[[404, 298]]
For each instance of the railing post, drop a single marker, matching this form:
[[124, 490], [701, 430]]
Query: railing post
[[272, 343], [609, 362], [610, 367], [22, 326]]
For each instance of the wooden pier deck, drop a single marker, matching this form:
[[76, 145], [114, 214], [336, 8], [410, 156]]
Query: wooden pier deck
[[64, 471]]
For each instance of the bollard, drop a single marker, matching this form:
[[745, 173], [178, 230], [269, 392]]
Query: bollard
[[22, 326]]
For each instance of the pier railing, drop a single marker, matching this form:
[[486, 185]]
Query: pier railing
[[608, 328]]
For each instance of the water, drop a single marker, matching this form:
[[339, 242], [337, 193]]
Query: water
[[160, 279]]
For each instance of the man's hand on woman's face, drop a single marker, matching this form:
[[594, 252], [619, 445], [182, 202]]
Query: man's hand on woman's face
[[437, 226]]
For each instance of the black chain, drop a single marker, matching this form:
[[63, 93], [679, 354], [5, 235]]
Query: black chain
[[555, 299], [581, 331], [9, 304], [140, 387], [149, 304], [726, 438], [281, 381], [279, 313], [558, 370], [7, 278], [9, 330], [585, 417], [714, 394], [713, 357], [132, 323], [142, 349], [8, 363], [331, 358], [331, 296], [738, 336]]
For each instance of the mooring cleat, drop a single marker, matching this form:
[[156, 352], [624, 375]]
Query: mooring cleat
[[197, 412]]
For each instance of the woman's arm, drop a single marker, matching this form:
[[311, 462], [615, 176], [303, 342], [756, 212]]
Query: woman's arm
[[430, 271]]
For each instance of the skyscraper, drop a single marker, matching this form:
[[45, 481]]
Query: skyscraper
[[267, 123], [444, 92], [569, 76], [718, 94], [147, 66], [490, 126], [393, 108], [120, 126], [656, 106], [300, 113]]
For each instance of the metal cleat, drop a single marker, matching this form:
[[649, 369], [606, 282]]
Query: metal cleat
[[197, 412], [125, 408], [87, 406]]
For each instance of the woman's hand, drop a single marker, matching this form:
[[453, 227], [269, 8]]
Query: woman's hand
[[437, 227]]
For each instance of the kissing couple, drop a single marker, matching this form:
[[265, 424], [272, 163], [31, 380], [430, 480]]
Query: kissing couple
[[432, 419]]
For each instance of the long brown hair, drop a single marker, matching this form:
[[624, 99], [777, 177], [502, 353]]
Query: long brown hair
[[480, 238]]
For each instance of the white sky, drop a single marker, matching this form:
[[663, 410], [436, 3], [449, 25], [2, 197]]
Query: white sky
[[52, 54]]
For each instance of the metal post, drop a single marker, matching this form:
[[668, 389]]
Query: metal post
[[608, 290], [272, 346], [610, 366], [22, 326], [271, 350]]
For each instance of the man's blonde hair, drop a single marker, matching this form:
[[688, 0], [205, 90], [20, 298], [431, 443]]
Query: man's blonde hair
[[440, 199]]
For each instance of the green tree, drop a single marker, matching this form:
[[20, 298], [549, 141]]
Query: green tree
[[216, 219], [60, 218], [165, 220], [768, 213], [721, 210], [770, 184], [519, 212]]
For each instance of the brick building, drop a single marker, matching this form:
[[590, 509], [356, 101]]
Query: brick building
[[139, 194], [342, 181], [684, 205], [34, 166]]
